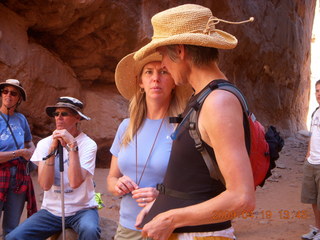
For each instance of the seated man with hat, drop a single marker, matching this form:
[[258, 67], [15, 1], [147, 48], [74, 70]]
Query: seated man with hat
[[74, 184]]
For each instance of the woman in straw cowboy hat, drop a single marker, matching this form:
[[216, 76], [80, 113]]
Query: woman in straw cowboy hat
[[16, 148], [142, 144], [193, 205]]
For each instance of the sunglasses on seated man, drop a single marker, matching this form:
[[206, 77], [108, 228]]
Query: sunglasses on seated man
[[13, 93], [63, 114]]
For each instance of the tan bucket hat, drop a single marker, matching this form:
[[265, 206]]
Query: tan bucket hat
[[15, 83], [190, 24], [127, 75]]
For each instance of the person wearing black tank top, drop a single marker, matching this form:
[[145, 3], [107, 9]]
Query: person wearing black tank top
[[191, 204]]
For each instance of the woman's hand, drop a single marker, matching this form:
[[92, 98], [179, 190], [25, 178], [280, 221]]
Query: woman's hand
[[142, 214], [25, 153], [125, 185], [144, 195]]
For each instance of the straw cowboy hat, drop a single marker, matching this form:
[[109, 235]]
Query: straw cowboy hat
[[128, 71], [14, 83], [67, 102], [188, 24]]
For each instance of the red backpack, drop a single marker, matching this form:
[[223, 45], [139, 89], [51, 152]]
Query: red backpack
[[263, 147]]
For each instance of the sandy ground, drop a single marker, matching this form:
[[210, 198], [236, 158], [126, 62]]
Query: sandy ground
[[279, 215]]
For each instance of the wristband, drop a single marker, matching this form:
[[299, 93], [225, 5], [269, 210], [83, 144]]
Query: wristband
[[49, 164]]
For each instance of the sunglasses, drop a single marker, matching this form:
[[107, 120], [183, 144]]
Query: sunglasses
[[63, 114], [13, 93]]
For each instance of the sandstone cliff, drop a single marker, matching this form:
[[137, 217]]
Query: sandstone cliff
[[71, 47]]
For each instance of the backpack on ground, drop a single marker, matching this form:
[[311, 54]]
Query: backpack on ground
[[263, 147]]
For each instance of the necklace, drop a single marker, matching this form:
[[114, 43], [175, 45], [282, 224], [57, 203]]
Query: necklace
[[145, 165]]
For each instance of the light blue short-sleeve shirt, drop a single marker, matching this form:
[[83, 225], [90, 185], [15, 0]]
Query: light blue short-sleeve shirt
[[155, 168]]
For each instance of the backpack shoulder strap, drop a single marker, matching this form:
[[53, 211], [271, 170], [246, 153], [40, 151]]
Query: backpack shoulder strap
[[193, 125], [314, 112]]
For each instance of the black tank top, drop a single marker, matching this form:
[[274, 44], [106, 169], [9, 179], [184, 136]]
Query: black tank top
[[188, 173]]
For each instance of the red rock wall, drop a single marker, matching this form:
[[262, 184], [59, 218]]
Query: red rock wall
[[61, 48]]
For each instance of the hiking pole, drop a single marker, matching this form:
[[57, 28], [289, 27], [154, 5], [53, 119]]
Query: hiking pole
[[60, 151]]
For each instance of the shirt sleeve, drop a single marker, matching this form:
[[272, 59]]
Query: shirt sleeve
[[41, 150], [116, 145], [87, 155]]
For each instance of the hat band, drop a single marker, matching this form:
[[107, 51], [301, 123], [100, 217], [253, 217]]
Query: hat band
[[59, 104], [214, 21], [210, 27]]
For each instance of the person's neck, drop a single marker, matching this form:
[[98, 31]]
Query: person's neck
[[74, 132], [4, 110], [200, 77], [156, 110]]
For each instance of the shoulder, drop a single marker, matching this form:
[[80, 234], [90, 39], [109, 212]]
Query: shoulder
[[86, 140], [20, 116], [125, 123], [45, 142], [123, 126], [316, 111], [221, 101], [220, 108]]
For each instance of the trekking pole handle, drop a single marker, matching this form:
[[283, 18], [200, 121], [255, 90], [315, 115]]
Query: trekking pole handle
[[60, 151]]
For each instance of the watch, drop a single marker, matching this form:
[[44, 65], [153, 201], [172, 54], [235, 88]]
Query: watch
[[73, 149]]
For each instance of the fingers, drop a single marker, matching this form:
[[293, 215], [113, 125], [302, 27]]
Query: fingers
[[144, 195], [142, 202], [27, 154], [125, 185], [63, 136], [160, 227], [139, 218], [142, 214]]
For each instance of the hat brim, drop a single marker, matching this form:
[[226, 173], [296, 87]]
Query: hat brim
[[217, 39], [128, 71], [21, 90], [51, 109]]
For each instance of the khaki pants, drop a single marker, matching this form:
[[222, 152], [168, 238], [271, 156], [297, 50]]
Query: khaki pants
[[174, 236], [126, 233]]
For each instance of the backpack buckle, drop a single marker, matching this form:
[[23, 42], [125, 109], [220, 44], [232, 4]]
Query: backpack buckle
[[161, 188], [199, 147], [192, 125]]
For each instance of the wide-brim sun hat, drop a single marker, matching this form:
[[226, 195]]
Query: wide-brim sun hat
[[67, 102], [15, 83], [189, 24], [127, 76]]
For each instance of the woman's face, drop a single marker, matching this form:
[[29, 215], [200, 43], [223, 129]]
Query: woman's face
[[156, 81], [10, 96]]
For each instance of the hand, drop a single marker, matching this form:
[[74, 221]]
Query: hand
[[142, 214], [144, 195], [125, 185], [25, 153], [63, 136], [160, 227]]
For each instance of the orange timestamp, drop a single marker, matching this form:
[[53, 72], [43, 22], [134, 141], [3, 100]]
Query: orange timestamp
[[283, 214]]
